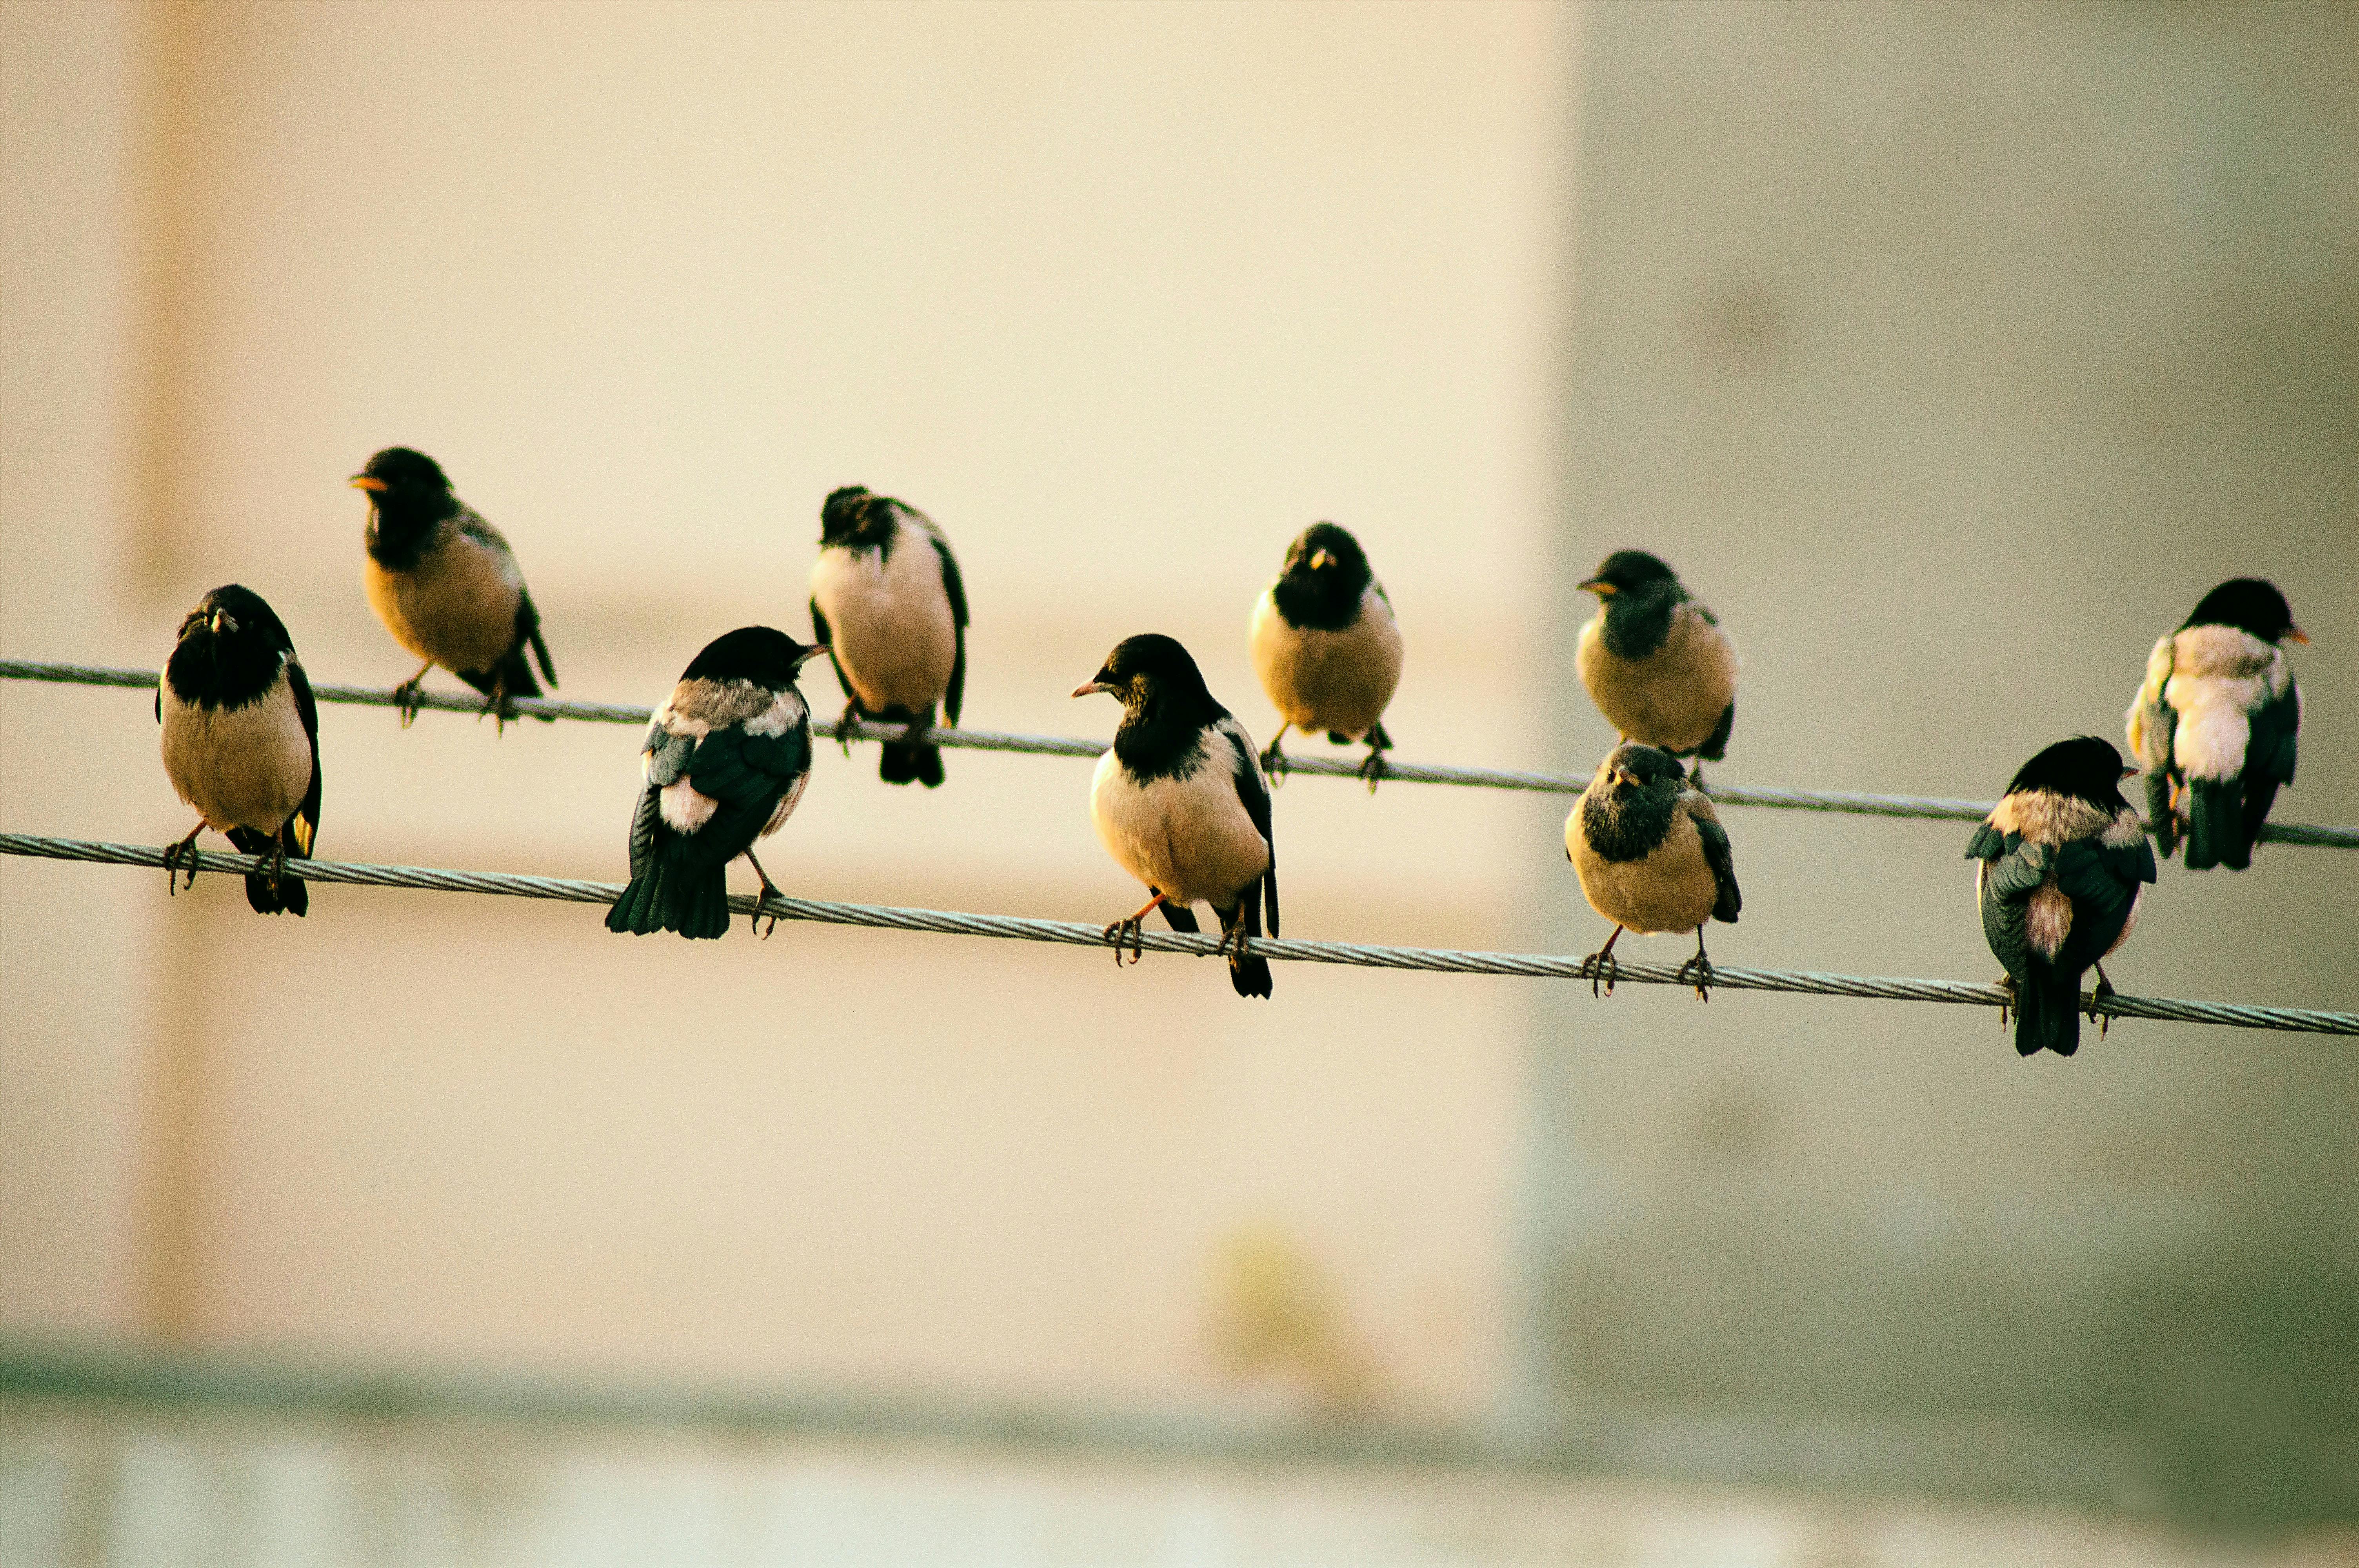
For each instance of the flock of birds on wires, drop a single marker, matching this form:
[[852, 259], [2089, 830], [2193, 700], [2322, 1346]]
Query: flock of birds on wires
[[1182, 797]]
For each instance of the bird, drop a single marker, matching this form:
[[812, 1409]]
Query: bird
[[1181, 805], [1326, 648], [242, 742], [1652, 857], [1657, 663], [885, 597], [2216, 723], [725, 762], [2063, 867], [447, 586]]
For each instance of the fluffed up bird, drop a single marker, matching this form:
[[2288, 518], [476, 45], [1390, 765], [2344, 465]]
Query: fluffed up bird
[[725, 761], [1181, 805], [1652, 857], [1326, 648], [2063, 864], [2216, 723], [885, 597], [446, 585], [242, 741], [1657, 662]]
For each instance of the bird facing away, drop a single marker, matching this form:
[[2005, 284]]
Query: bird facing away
[[1181, 805], [725, 761], [242, 741], [2216, 723], [1656, 662], [1652, 856], [885, 598], [446, 585], [1326, 648], [2063, 862]]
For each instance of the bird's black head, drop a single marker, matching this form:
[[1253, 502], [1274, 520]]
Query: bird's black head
[[2084, 768], [1630, 571], [852, 516], [228, 649], [766, 657], [1145, 669], [1325, 575], [2248, 604], [1632, 769], [1628, 808], [408, 496], [1165, 704]]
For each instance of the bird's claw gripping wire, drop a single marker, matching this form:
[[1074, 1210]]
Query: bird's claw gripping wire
[[1701, 966], [2104, 987], [1374, 769], [1126, 930], [2007, 984], [845, 722], [174, 854], [498, 708], [409, 698], [1600, 965], [769, 890], [1273, 761], [1233, 942]]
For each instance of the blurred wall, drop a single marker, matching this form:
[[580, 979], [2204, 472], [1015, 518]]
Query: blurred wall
[[1125, 297], [1951, 353]]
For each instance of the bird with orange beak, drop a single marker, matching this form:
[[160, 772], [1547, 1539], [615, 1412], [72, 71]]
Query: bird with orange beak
[[1656, 662], [446, 585], [2217, 721]]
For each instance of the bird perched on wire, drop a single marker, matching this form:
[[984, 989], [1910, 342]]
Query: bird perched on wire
[[1657, 662], [447, 586], [1326, 648], [885, 597], [2217, 721], [725, 761], [2064, 862], [1181, 805], [1652, 856], [242, 741]]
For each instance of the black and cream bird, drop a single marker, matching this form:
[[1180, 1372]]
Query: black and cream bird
[[1652, 856], [2216, 723], [1181, 805], [1326, 648], [725, 763], [885, 597], [1658, 664], [2062, 867], [446, 584], [242, 741]]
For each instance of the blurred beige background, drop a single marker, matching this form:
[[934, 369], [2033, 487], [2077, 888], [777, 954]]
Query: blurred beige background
[[1949, 353]]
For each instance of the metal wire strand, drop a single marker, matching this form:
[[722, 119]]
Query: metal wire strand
[[1843, 800], [1442, 960]]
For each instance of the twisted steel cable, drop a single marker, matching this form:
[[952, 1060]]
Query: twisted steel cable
[[1848, 802], [1440, 960]]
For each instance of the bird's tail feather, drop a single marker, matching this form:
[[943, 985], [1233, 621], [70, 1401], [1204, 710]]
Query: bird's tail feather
[[2158, 810], [2216, 825], [513, 674], [2047, 1012], [910, 764], [287, 894], [1249, 974], [696, 905]]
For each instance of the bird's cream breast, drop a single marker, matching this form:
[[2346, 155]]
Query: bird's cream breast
[[240, 767], [1674, 697], [2219, 677], [1188, 837], [889, 620], [1328, 680], [456, 607], [1672, 888]]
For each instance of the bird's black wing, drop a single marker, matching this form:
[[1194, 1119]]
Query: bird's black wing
[[305, 824], [956, 698], [747, 775], [1255, 794], [527, 630], [1718, 855], [666, 756], [2101, 880], [826, 639], [2012, 872]]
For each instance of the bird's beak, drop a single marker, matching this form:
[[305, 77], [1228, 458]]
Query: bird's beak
[[1599, 586], [220, 619], [813, 652], [1321, 559], [2130, 773], [1623, 776], [367, 482], [2298, 635], [1086, 688]]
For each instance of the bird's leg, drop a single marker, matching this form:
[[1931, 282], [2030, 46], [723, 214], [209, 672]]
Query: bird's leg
[[497, 705], [172, 856], [2007, 984], [769, 890], [279, 857], [1129, 927], [1273, 761], [409, 696], [1373, 769], [2103, 1021], [1601, 964], [1233, 936], [1702, 964], [845, 722], [1695, 773]]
